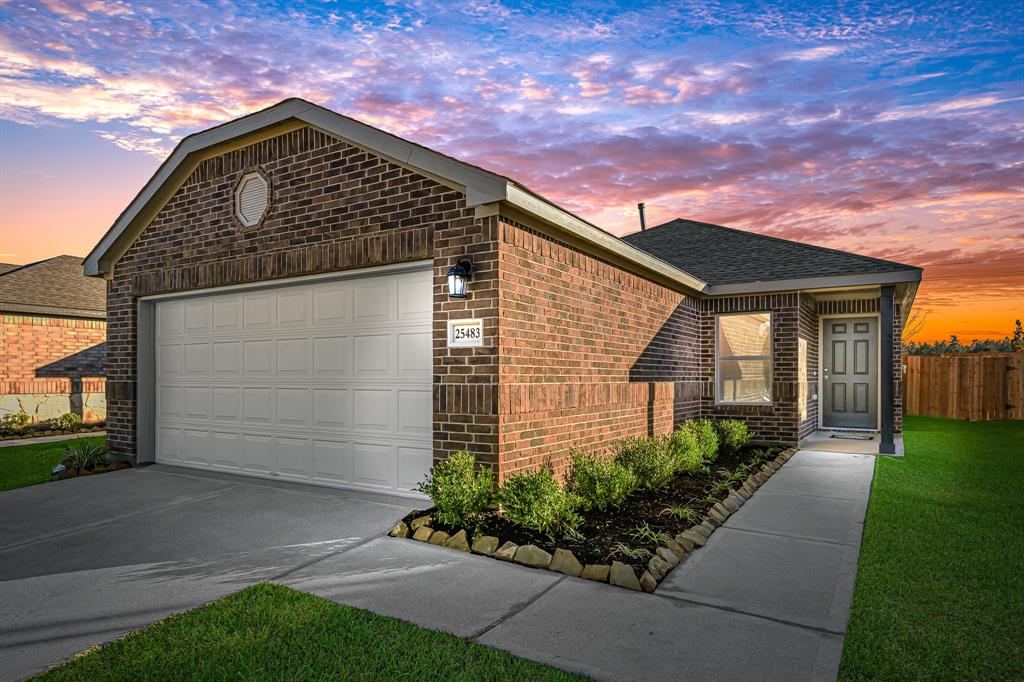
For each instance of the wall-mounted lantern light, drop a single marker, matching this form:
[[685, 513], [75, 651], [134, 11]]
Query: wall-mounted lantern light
[[458, 278]]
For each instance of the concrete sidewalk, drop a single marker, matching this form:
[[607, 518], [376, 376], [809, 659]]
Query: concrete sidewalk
[[767, 598]]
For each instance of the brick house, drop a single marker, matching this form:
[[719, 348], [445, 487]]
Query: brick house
[[282, 300], [52, 334]]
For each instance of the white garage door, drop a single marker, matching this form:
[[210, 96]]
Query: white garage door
[[326, 383]]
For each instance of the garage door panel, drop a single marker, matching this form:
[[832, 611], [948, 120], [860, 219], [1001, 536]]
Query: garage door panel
[[374, 355], [327, 382], [258, 311], [332, 356], [293, 457], [332, 408], [412, 462], [257, 454], [293, 407], [374, 465], [332, 461]]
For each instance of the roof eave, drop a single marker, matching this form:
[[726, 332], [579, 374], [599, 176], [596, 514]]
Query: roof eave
[[810, 283]]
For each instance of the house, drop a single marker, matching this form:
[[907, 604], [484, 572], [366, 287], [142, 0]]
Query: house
[[299, 295], [53, 329]]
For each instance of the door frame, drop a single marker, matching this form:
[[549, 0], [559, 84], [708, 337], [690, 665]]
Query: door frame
[[821, 372], [145, 340]]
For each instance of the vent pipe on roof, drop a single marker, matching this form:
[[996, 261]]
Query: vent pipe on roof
[[643, 223]]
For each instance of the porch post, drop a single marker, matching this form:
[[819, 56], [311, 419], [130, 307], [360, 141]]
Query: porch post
[[887, 446]]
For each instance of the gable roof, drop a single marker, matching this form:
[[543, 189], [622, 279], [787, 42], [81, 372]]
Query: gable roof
[[480, 186], [55, 286], [727, 258]]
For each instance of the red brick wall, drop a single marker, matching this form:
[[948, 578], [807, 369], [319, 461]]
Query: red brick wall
[[779, 421], [42, 354], [589, 352], [333, 207]]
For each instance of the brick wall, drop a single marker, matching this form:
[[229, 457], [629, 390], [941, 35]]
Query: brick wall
[[589, 352], [43, 354], [333, 207], [807, 338], [780, 420]]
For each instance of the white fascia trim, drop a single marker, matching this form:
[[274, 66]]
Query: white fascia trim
[[549, 213], [806, 283]]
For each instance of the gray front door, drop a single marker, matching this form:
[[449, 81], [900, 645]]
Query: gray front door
[[850, 372]]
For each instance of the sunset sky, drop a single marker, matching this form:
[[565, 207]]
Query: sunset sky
[[894, 129]]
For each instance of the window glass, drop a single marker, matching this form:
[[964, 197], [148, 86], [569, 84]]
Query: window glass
[[744, 349]]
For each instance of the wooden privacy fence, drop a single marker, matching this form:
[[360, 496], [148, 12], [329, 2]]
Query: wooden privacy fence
[[978, 387]]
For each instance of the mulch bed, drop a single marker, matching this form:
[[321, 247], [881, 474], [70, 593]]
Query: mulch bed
[[602, 531]]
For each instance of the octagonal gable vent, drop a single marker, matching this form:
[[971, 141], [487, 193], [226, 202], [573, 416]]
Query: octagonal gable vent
[[251, 199]]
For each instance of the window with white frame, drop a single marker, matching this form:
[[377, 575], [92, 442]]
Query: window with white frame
[[743, 358]]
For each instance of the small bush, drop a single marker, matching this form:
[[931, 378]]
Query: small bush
[[84, 454], [534, 500], [685, 450], [599, 482], [649, 459], [69, 421], [459, 490], [732, 434], [13, 422], [704, 432]]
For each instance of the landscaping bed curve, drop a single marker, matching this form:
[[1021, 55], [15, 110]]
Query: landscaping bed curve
[[592, 554]]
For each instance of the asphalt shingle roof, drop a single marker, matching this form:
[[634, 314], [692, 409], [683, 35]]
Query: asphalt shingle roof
[[56, 286], [725, 255]]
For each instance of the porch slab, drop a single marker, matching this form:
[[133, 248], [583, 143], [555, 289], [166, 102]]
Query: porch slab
[[823, 441]]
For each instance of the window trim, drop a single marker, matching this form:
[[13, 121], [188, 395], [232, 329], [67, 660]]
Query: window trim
[[770, 357]]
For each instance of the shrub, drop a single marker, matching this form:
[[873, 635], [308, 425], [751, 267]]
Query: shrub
[[732, 434], [648, 458], [599, 482], [534, 500], [84, 454], [69, 421], [459, 490], [703, 431], [13, 422], [685, 450]]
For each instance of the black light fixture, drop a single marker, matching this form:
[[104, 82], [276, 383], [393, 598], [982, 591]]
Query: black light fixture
[[458, 278]]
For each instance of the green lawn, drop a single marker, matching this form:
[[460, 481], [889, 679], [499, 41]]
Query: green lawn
[[940, 589], [270, 632], [22, 465]]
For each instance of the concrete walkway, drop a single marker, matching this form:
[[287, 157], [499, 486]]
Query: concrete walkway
[[86, 560]]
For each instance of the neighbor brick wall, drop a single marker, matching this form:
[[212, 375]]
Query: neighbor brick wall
[[589, 352], [334, 207], [43, 354]]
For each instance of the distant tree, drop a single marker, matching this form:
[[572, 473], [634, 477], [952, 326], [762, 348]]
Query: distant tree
[[953, 345], [913, 325], [1017, 344]]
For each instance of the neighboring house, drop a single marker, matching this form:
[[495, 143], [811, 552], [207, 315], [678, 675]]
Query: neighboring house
[[52, 333], [280, 305]]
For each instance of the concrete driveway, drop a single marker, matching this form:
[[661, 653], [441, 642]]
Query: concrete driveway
[[86, 560]]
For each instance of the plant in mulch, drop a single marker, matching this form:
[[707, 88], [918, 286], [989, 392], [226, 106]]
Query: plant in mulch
[[623, 551], [733, 434], [535, 501], [644, 533], [650, 460], [84, 454], [706, 437], [599, 482], [69, 421], [460, 491], [13, 422], [681, 512]]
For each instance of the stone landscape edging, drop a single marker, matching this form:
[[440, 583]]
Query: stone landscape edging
[[666, 557]]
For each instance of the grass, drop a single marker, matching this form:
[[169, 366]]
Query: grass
[[940, 588], [271, 632], [22, 465]]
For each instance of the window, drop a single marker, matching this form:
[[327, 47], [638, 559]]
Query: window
[[743, 358]]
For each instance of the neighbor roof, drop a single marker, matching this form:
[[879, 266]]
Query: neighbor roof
[[724, 256], [56, 286]]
